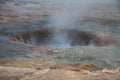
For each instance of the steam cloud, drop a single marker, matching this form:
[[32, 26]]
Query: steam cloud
[[68, 13]]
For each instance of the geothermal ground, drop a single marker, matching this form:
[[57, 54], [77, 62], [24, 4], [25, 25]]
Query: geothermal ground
[[59, 40]]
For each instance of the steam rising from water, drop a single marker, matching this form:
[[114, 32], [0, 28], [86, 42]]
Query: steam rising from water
[[64, 13], [59, 40], [68, 13]]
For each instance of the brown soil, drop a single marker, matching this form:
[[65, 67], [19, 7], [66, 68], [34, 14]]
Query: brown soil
[[69, 71], [23, 63], [75, 67]]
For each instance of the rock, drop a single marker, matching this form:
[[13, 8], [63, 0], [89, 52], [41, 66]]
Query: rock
[[76, 67]]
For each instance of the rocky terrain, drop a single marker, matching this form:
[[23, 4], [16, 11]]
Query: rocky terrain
[[91, 53], [74, 71]]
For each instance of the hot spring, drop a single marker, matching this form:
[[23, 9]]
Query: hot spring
[[62, 38]]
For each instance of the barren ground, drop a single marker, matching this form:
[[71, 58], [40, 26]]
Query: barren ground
[[21, 61]]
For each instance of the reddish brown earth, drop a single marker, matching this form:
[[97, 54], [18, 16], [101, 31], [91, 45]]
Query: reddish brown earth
[[69, 71]]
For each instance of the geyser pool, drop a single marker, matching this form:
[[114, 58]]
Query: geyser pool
[[62, 38]]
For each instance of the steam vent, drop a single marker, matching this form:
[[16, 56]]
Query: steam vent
[[62, 38], [59, 39]]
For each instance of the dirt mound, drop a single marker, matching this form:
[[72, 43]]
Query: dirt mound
[[72, 75], [73, 71], [66, 71], [76, 67]]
